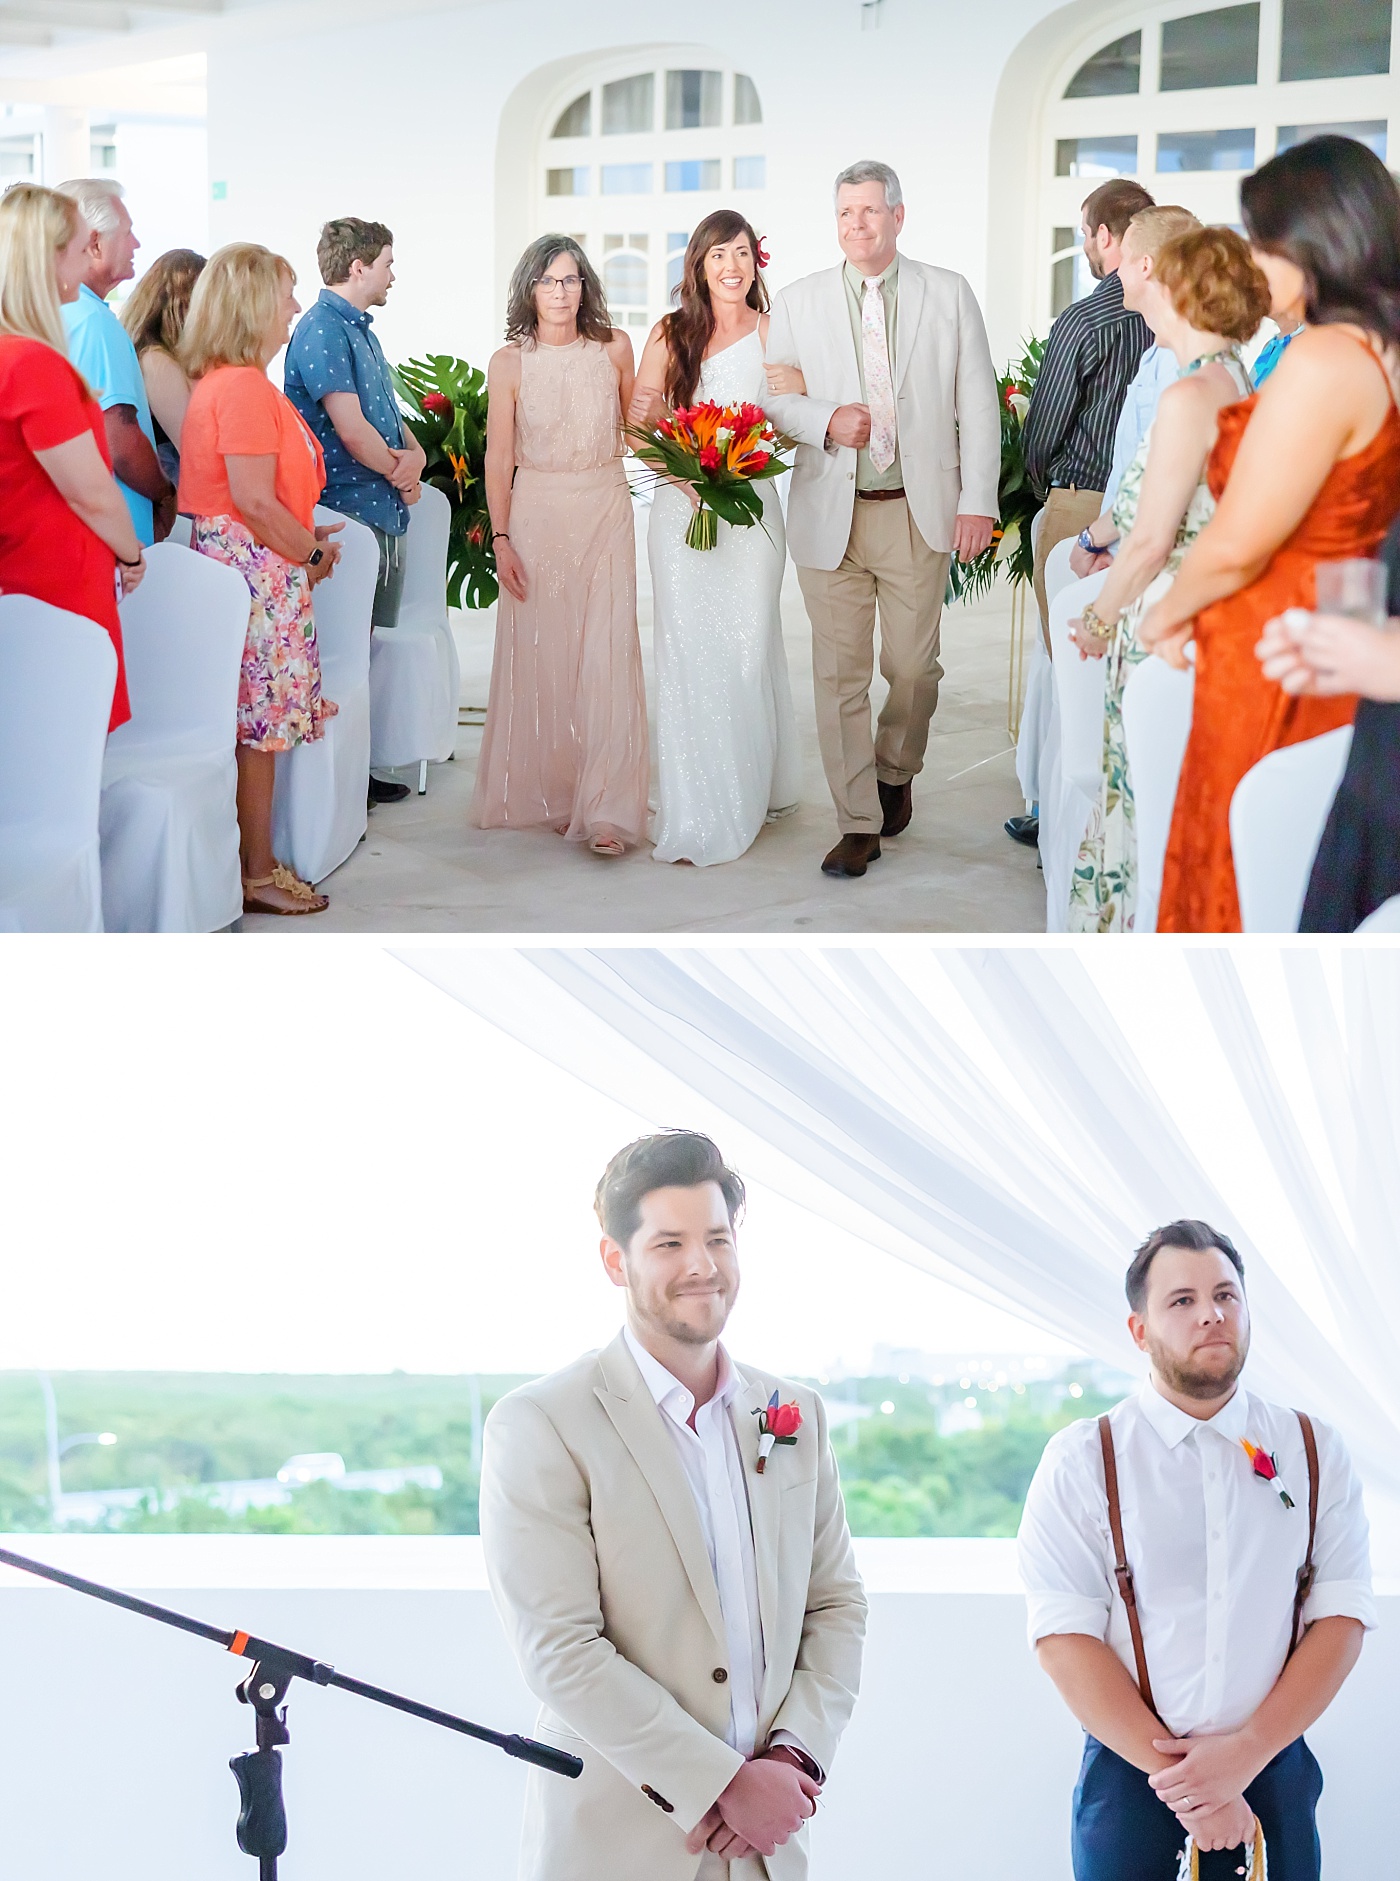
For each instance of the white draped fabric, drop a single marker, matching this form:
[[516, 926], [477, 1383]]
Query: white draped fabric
[[1022, 1155]]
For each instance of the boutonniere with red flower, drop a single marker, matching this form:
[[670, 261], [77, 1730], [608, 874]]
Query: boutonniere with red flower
[[1265, 1467], [777, 1423]]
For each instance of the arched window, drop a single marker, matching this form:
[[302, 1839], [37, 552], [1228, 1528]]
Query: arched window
[[640, 147], [1191, 99]]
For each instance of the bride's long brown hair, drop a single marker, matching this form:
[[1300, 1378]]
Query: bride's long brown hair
[[689, 330]]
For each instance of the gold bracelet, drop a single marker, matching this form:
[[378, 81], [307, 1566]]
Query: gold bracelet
[[1095, 625]]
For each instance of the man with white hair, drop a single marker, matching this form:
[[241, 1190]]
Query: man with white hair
[[102, 351], [898, 466]]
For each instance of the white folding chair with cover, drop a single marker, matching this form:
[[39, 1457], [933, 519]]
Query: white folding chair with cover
[[169, 817], [1384, 920], [57, 675], [1072, 761], [1277, 816], [1157, 703], [318, 807], [414, 674]]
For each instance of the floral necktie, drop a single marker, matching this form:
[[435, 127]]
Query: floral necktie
[[879, 390]]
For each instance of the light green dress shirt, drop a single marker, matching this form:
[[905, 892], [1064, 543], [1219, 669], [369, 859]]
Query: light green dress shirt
[[867, 476]]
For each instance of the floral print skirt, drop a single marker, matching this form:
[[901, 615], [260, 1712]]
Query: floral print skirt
[[279, 691], [1103, 893]]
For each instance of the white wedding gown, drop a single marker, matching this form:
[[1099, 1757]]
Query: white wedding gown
[[725, 735]]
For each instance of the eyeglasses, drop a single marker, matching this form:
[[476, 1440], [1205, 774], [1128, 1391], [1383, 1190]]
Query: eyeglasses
[[552, 283]]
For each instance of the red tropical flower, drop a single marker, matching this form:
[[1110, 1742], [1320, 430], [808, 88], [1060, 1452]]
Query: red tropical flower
[[1266, 1469], [761, 255], [440, 405], [785, 1421], [709, 457]]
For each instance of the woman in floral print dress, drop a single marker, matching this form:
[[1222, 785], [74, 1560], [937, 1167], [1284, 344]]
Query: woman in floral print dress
[[1203, 295], [250, 474]]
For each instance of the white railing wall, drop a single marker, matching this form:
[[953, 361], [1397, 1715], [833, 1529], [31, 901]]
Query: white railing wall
[[115, 1734]]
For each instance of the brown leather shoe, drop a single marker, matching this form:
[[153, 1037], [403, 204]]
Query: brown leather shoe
[[851, 855], [897, 802]]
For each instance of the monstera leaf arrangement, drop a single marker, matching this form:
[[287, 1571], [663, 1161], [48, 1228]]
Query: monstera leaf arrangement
[[445, 409], [1017, 502]]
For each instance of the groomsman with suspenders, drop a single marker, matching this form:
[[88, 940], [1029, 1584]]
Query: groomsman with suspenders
[[1198, 1579]]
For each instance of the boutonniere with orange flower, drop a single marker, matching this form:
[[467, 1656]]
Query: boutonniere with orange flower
[[777, 1423], [1265, 1467]]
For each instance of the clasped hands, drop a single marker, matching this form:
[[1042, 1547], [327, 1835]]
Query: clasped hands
[[408, 470], [766, 1801], [1205, 1786]]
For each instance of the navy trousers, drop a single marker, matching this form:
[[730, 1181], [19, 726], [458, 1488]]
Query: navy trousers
[[1123, 1832]]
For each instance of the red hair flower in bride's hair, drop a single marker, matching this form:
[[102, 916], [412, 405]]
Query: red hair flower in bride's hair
[[760, 253]]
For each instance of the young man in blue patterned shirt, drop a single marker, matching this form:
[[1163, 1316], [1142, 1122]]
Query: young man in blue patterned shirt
[[338, 379]]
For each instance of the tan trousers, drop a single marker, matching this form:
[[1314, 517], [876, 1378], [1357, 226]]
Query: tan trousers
[[889, 568], [1066, 512]]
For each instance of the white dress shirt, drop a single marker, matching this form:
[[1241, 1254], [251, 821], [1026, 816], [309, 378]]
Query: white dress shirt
[[1214, 1552], [713, 1467]]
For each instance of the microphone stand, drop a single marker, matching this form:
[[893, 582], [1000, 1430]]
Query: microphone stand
[[262, 1818]]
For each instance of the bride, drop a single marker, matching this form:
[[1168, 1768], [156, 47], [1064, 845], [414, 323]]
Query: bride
[[725, 736]]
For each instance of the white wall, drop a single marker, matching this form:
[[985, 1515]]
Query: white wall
[[410, 121], [115, 1734]]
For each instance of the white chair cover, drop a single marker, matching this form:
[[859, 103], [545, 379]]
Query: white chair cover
[[182, 533], [1156, 725], [57, 675], [169, 816], [1385, 919], [318, 810], [1277, 816], [1038, 706], [415, 677], [1073, 760]]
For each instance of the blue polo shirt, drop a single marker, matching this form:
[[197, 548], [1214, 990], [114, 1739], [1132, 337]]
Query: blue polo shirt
[[100, 347], [334, 350]]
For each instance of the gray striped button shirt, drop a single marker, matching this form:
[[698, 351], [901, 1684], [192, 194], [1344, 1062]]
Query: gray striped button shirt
[[1093, 352]]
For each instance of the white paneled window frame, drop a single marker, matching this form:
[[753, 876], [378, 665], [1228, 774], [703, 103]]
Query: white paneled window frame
[[658, 212], [1263, 107]]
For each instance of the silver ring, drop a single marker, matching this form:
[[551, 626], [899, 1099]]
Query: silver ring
[[1186, 1803]]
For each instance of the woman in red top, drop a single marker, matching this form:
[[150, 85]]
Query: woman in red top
[[63, 524], [250, 474]]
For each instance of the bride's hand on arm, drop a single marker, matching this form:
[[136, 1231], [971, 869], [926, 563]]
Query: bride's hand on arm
[[785, 381], [647, 406]]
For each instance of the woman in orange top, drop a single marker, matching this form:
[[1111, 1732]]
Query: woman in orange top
[[250, 474], [1306, 471]]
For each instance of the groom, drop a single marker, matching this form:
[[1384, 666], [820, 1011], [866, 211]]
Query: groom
[[679, 1589], [898, 465]]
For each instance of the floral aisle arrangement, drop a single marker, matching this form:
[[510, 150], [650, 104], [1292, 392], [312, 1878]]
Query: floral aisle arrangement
[[1017, 502], [445, 409], [722, 452]]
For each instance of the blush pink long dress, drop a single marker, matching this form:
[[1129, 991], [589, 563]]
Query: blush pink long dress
[[566, 732]]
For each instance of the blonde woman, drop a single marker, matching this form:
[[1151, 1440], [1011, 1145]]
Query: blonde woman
[[154, 317], [250, 475], [63, 525]]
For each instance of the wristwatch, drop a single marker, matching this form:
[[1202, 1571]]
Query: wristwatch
[[1088, 544], [316, 557]]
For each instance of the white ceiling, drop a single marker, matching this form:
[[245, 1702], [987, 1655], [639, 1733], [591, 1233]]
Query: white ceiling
[[48, 23]]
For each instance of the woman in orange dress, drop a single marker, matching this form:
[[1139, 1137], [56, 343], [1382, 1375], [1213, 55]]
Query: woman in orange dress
[[1306, 471]]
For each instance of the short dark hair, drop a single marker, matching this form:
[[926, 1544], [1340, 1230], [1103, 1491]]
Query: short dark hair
[[348, 239], [1199, 1236], [672, 1159], [1114, 204], [1330, 206]]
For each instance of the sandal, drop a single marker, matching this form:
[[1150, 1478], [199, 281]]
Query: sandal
[[288, 894], [601, 845]]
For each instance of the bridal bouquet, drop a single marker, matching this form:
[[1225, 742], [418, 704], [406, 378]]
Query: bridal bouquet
[[722, 452]]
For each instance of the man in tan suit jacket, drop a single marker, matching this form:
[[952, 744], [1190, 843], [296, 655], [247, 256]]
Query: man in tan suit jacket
[[689, 1617], [898, 467]]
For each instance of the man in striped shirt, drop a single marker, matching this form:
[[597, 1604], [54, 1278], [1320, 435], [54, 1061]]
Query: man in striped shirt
[[1090, 359]]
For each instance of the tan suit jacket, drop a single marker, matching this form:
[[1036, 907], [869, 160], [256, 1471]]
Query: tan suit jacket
[[946, 412], [600, 1573]]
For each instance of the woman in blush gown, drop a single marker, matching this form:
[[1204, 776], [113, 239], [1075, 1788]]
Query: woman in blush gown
[[565, 743], [725, 736]]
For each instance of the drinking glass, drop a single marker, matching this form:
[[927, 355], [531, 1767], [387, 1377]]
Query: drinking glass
[[1354, 588]]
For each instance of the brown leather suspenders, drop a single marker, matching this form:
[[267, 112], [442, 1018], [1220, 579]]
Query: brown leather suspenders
[[1123, 1573]]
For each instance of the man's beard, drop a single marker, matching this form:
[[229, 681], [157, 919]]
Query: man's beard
[[1194, 1382], [663, 1313], [1095, 261]]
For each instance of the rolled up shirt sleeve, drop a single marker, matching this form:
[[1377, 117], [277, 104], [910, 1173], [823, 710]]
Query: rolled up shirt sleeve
[[1060, 1545], [1342, 1552]]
